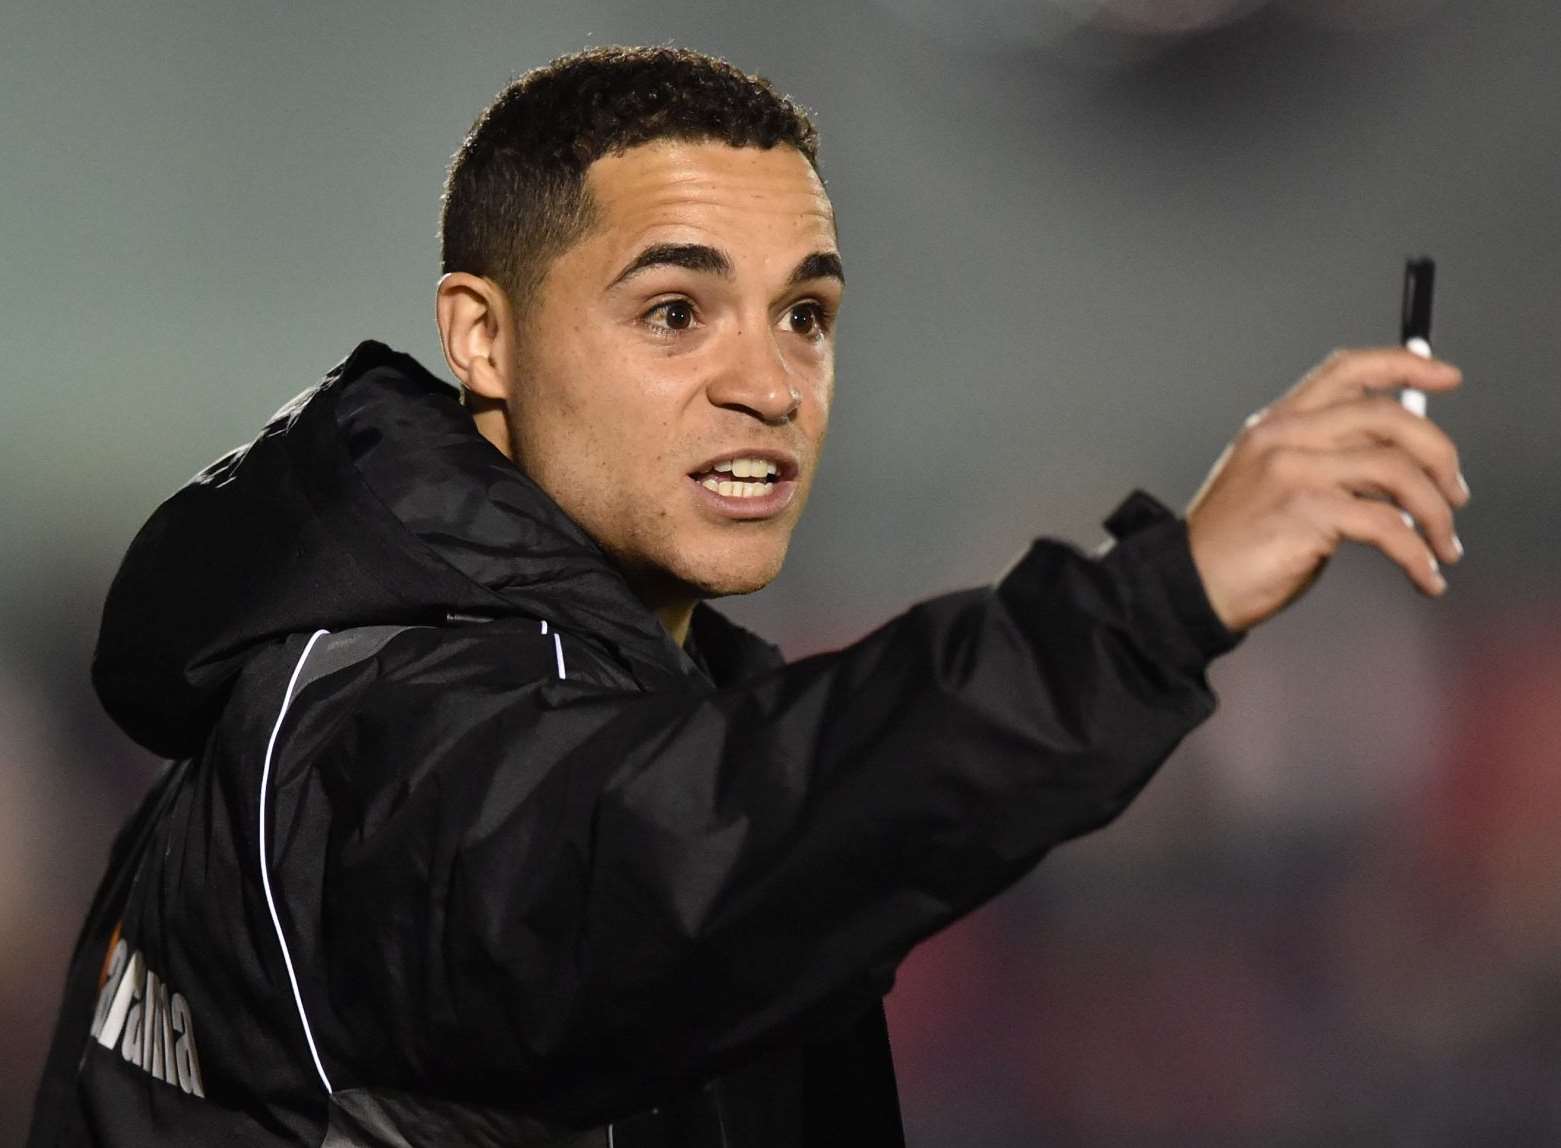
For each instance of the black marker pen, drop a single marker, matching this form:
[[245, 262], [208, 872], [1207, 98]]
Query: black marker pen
[[1415, 329]]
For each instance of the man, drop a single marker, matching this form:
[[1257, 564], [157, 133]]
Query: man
[[483, 829]]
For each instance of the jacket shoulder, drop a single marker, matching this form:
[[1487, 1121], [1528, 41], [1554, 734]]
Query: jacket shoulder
[[310, 669]]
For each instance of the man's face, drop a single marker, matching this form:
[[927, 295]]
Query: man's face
[[673, 379]]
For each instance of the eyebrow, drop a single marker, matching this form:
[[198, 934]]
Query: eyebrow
[[691, 256], [819, 265], [713, 261]]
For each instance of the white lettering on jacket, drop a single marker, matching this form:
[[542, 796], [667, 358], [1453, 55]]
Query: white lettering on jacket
[[152, 1028]]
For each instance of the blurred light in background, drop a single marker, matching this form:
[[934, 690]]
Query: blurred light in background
[[1119, 32]]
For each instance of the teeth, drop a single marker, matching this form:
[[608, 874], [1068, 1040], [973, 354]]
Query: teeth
[[747, 467], [736, 489]]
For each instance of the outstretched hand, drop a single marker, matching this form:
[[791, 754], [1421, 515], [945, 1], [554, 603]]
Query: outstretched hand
[[1338, 457]]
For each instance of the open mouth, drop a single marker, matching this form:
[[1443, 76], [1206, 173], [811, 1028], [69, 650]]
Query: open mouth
[[744, 476]]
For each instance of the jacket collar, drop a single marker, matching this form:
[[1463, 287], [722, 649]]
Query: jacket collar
[[370, 498]]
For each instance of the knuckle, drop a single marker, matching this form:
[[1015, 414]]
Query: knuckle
[[1261, 431], [1385, 407], [1439, 516], [1283, 465], [1448, 460], [1399, 468], [1300, 504], [1386, 522]]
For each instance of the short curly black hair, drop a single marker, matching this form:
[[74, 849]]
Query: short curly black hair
[[515, 196]]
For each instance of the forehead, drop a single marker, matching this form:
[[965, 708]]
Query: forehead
[[741, 199]]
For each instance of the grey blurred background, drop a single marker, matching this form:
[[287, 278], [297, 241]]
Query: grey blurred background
[[1085, 240]]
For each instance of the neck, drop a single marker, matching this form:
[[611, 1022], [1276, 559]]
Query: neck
[[675, 611], [671, 600], [676, 618]]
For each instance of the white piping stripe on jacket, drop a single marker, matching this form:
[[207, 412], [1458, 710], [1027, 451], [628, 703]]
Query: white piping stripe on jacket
[[265, 875], [558, 650]]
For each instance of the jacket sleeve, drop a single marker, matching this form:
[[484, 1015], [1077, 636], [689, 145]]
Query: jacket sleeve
[[537, 893]]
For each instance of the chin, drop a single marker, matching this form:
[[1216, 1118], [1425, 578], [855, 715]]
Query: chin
[[724, 576]]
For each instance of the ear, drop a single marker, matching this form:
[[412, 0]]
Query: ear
[[476, 330]]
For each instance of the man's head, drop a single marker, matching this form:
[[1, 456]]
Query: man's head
[[641, 284], [515, 196]]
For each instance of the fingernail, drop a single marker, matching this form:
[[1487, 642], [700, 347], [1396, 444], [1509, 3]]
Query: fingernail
[[1463, 485], [1458, 545], [1409, 520]]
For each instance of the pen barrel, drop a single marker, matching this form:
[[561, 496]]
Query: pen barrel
[[1419, 280]]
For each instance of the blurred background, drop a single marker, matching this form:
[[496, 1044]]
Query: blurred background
[[1085, 239]]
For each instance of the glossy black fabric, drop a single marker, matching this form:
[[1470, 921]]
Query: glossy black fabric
[[530, 869]]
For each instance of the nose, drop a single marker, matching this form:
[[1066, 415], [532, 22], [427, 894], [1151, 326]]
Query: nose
[[756, 379]]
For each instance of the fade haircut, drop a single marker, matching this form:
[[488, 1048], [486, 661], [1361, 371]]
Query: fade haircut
[[515, 196]]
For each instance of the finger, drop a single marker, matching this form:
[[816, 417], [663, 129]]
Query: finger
[[1349, 374], [1371, 421], [1377, 524], [1388, 471]]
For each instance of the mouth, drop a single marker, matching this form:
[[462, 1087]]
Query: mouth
[[748, 485], [745, 475]]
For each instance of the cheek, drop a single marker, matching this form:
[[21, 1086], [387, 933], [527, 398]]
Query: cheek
[[606, 400], [823, 395]]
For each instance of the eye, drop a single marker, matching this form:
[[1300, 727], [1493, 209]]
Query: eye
[[808, 319], [673, 315]]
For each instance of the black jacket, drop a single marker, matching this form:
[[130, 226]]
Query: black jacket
[[458, 847]]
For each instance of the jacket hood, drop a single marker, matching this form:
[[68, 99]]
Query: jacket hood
[[368, 499]]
